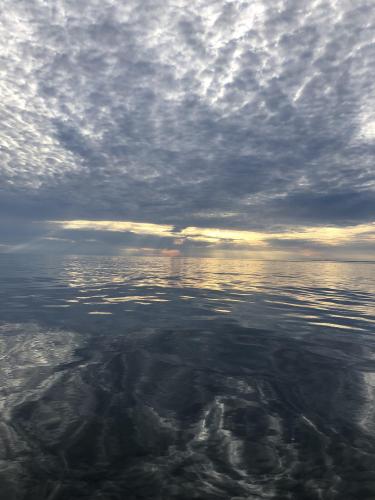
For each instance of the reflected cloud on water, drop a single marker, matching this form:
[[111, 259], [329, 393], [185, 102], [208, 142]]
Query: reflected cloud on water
[[186, 378], [254, 290]]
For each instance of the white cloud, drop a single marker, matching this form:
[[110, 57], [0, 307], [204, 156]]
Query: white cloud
[[166, 111]]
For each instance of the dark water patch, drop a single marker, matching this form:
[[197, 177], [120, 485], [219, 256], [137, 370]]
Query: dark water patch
[[186, 378], [226, 412]]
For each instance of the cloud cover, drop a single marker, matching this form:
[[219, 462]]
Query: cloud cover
[[238, 115]]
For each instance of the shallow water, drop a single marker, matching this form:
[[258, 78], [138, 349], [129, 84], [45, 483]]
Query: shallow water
[[174, 378]]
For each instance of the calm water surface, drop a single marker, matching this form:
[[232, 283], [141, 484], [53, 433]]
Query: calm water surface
[[173, 378]]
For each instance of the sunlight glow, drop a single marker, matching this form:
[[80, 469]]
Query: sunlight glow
[[118, 226], [331, 236]]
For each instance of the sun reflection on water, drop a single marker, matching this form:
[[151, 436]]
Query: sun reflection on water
[[315, 294]]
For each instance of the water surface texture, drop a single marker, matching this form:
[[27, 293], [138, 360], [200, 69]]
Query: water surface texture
[[173, 378]]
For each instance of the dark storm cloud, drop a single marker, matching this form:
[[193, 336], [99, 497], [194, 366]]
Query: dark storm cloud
[[348, 207], [218, 114]]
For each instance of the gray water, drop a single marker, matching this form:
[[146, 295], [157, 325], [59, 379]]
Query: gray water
[[173, 378]]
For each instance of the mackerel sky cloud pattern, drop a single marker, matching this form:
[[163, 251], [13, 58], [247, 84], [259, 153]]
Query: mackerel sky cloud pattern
[[249, 116]]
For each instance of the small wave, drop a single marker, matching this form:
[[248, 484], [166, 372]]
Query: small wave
[[226, 412]]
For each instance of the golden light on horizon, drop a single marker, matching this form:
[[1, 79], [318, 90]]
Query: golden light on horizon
[[263, 240], [117, 226]]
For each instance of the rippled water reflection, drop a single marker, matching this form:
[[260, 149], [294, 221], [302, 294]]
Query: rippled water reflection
[[177, 378]]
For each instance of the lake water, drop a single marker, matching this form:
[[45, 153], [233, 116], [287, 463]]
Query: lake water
[[173, 378]]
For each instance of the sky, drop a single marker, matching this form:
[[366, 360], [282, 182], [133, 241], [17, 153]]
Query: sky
[[197, 128]]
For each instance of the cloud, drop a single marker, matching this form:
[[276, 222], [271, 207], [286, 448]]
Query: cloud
[[117, 226], [328, 234], [124, 237], [221, 115], [118, 237]]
